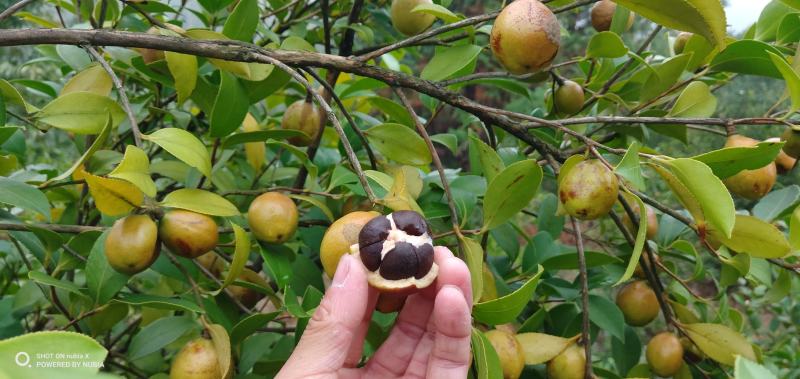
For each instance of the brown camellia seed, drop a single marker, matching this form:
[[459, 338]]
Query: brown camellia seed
[[273, 217], [132, 244], [303, 116], [196, 360], [408, 22], [342, 234], [570, 364], [750, 184], [187, 233], [588, 190], [665, 354], [680, 42], [569, 98], [783, 162], [510, 352], [792, 139], [603, 14], [525, 37], [652, 221], [397, 250], [638, 303]]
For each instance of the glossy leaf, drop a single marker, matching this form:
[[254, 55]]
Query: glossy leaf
[[230, 107], [25, 196], [113, 197], [641, 238], [81, 112], [696, 100], [491, 164], [222, 345], [607, 316], [791, 78], [507, 308], [102, 281], [729, 161], [412, 151], [450, 60], [158, 334], [747, 57], [240, 255], [746, 369], [200, 201], [719, 342], [630, 166], [437, 10], [92, 79], [664, 77], [249, 325], [510, 191], [158, 302], [98, 143], [487, 363], [704, 17], [755, 237], [135, 168], [83, 350], [242, 22], [714, 199], [183, 68], [540, 348], [184, 146], [777, 202], [606, 45], [473, 256]]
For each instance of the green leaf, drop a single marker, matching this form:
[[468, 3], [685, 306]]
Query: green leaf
[[719, 342], [260, 136], [317, 203], [102, 281], [98, 143], [437, 10], [450, 141], [240, 69], [641, 239], [249, 325], [11, 96], [704, 17], [473, 256], [755, 237], [794, 229], [393, 110], [242, 22], [200, 201], [412, 151], [487, 363], [491, 164], [230, 106], [159, 334], [664, 77], [569, 260], [729, 161], [769, 20], [81, 112], [791, 78], [540, 348], [184, 146], [776, 203], [630, 166], [135, 168], [607, 316], [222, 346], [510, 192], [25, 196], [158, 302], [84, 351], [45, 279], [746, 369], [696, 100], [789, 29], [449, 60], [92, 79], [606, 45], [240, 254], [747, 57], [183, 68], [506, 309]]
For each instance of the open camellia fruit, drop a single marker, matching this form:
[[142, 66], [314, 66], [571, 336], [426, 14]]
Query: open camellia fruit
[[397, 250]]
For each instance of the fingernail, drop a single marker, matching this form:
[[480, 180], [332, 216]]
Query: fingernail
[[342, 271]]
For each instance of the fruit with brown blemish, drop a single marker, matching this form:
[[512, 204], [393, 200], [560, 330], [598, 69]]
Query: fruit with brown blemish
[[664, 354], [588, 190], [197, 359], [305, 117], [187, 233], [510, 352], [750, 184], [602, 15], [652, 220], [638, 303], [340, 236], [132, 244], [569, 98], [525, 37], [408, 22], [792, 139], [246, 295], [569, 364], [273, 217], [783, 162], [680, 42]]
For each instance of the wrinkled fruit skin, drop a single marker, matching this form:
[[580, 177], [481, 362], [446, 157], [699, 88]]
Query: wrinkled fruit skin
[[196, 360], [570, 364], [792, 146], [638, 303], [525, 37], [132, 244], [509, 350], [305, 117], [652, 221], [588, 190], [750, 184], [273, 217], [407, 22], [569, 98], [680, 42], [603, 14], [783, 162], [665, 354], [248, 296], [187, 233], [342, 234], [397, 250]]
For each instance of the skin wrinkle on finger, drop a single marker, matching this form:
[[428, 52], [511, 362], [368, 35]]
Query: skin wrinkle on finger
[[398, 349]]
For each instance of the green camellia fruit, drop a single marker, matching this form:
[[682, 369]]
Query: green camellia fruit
[[510, 352], [408, 22], [132, 244], [525, 37], [603, 14], [638, 303], [273, 217], [750, 184], [665, 354], [196, 360], [588, 190], [305, 117], [569, 98], [680, 42], [187, 233], [792, 139], [570, 364]]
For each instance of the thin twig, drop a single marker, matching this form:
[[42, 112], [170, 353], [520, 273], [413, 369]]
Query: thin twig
[[14, 8], [585, 338]]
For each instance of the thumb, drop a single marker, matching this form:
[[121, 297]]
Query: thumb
[[324, 345]]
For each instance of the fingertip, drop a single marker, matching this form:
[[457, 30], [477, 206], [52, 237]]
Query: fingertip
[[451, 312], [453, 271]]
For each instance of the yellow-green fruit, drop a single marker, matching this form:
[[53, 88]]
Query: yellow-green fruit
[[665, 354], [151, 55], [196, 360], [638, 303], [272, 217], [248, 296], [525, 37], [750, 184], [603, 14], [588, 190], [783, 162], [489, 285], [132, 244], [652, 221], [342, 234], [569, 98], [570, 364], [305, 117], [680, 42], [187, 233], [510, 352], [408, 22], [792, 139]]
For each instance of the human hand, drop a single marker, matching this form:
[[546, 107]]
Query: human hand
[[430, 339]]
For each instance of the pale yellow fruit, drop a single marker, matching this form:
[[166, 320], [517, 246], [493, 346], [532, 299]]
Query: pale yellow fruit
[[273, 217], [342, 234], [408, 22], [132, 244], [570, 364], [187, 233], [305, 117], [665, 354], [196, 360], [750, 184], [510, 352], [603, 14]]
